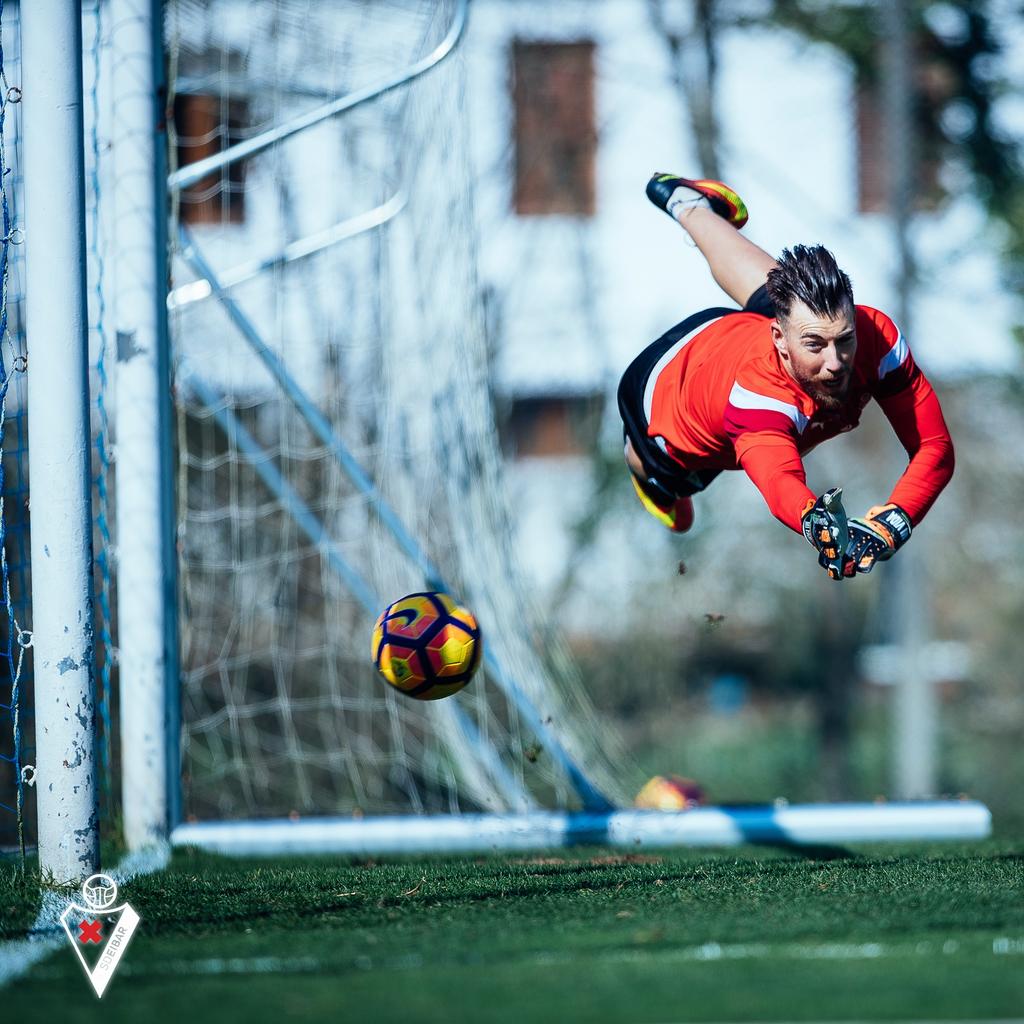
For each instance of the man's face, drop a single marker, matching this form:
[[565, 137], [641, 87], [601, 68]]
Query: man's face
[[817, 351]]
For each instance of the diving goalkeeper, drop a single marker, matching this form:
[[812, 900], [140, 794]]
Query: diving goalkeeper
[[755, 388]]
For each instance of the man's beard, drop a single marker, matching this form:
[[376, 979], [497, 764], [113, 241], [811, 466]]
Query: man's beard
[[830, 401]]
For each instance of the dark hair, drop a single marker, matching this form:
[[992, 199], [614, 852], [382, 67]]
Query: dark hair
[[810, 274]]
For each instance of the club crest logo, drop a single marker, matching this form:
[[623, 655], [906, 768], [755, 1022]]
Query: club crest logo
[[99, 932]]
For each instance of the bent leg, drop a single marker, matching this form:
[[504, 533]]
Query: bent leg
[[738, 265], [670, 510]]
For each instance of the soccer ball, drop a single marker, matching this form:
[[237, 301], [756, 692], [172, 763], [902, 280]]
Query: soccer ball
[[426, 645], [669, 793]]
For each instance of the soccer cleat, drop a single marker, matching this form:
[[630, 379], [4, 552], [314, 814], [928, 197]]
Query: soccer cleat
[[678, 516], [664, 191]]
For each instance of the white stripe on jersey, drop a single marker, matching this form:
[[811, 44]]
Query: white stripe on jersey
[[895, 357], [744, 399], [665, 360]]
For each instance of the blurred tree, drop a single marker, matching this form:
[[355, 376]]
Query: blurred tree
[[959, 81], [693, 55]]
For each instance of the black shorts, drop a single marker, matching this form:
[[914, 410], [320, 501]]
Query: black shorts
[[667, 479]]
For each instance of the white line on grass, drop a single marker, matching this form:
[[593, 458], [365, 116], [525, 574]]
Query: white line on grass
[[46, 934], [708, 952]]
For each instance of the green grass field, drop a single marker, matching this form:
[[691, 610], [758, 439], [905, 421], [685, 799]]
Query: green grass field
[[869, 933]]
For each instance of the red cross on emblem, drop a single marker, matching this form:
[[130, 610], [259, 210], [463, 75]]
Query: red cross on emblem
[[90, 932]]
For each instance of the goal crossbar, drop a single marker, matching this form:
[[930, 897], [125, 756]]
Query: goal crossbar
[[796, 825]]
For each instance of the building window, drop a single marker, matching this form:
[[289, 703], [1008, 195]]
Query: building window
[[206, 124], [555, 136], [873, 158], [551, 426]]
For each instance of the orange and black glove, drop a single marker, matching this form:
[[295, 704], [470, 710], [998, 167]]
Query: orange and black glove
[[824, 524], [877, 536]]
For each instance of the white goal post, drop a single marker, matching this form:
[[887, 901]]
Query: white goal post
[[59, 445], [146, 577]]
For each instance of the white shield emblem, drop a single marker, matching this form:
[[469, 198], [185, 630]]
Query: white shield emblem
[[99, 932]]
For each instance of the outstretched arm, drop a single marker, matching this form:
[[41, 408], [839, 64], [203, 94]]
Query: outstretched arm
[[772, 462], [916, 417], [910, 404]]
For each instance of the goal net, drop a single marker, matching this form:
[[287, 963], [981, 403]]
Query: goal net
[[331, 364]]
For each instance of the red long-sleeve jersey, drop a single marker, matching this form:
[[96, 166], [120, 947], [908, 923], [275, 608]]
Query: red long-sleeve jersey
[[721, 399]]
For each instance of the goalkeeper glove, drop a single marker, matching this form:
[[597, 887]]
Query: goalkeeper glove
[[824, 525], [877, 536]]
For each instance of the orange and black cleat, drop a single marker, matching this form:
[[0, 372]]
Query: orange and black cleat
[[677, 516], [668, 192]]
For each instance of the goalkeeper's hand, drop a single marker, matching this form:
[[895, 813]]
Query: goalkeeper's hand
[[877, 536], [824, 524]]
